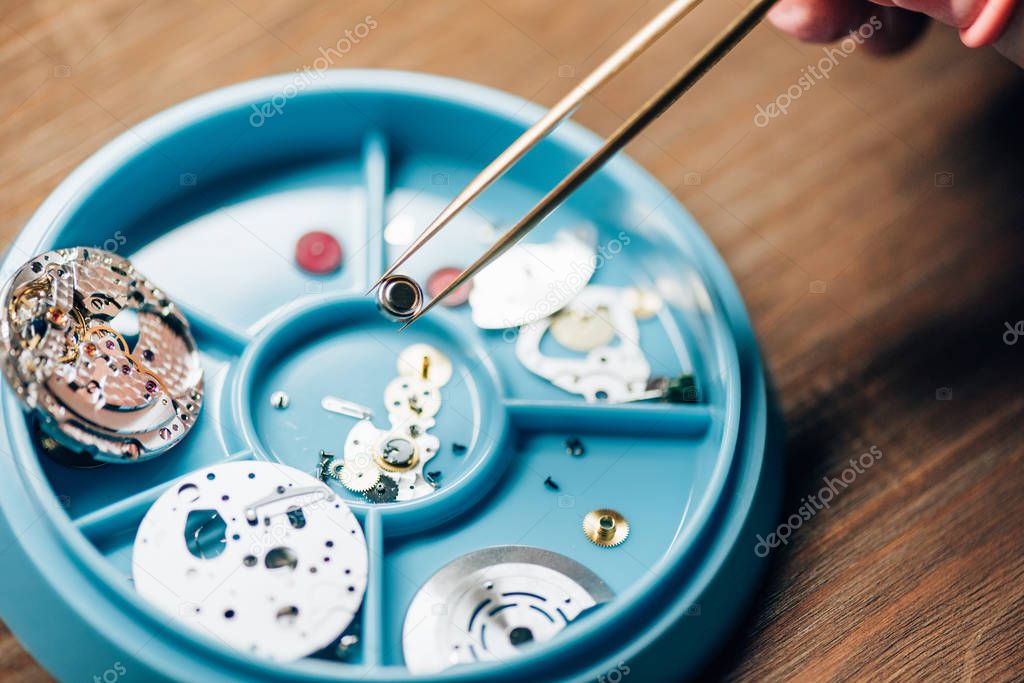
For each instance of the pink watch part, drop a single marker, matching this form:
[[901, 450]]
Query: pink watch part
[[318, 252], [990, 23]]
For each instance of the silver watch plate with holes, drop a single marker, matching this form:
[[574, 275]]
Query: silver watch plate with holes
[[547, 277], [614, 374], [399, 454], [100, 354], [490, 604], [257, 555]]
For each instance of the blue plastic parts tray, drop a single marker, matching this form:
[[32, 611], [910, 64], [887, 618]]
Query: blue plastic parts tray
[[208, 200]]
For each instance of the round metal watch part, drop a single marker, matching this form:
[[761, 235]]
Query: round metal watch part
[[582, 330], [606, 528], [488, 604], [399, 297], [384, 491], [100, 354], [529, 282], [262, 556], [425, 362], [397, 454]]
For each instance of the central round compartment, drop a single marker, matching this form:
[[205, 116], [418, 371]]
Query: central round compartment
[[341, 346]]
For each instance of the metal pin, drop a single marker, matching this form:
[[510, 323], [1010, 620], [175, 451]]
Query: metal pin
[[425, 367], [333, 404]]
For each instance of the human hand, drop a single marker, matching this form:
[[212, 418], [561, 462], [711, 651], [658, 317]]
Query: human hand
[[980, 22]]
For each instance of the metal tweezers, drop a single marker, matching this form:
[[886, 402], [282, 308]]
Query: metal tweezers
[[651, 110]]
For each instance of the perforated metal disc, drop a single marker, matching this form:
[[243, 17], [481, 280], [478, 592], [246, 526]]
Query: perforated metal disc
[[489, 604], [260, 556]]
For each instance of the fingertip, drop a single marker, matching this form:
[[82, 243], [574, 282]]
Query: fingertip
[[809, 20]]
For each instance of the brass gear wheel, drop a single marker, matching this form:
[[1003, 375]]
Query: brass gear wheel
[[606, 528]]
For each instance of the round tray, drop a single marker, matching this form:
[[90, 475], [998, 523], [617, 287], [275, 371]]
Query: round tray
[[208, 200]]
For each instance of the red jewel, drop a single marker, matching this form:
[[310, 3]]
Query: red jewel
[[318, 253], [440, 279]]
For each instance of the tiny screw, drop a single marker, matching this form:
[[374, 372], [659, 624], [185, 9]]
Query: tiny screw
[[575, 447], [322, 471], [346, 644], [550, 483], [279, 400], [459, 449]]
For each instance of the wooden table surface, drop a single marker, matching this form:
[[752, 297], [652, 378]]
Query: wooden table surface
[[874, 230]]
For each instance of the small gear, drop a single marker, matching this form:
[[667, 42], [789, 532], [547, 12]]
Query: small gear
[[333, 468], [357, 474], [606, 528], [384, 491]]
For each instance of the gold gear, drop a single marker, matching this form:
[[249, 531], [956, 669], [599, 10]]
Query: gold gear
[[606, 528], [354, 475]]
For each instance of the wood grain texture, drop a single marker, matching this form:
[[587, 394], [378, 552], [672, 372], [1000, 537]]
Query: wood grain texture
[[874, 230]]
